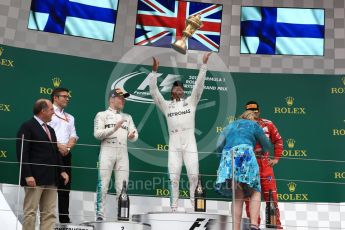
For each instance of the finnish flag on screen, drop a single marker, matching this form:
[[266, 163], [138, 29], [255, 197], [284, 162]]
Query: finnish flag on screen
[[290, 31], [94, 19]]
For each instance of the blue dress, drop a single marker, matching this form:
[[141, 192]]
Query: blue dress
[[239, 139]]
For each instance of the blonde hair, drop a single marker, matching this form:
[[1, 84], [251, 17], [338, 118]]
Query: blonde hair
[[248, 115]]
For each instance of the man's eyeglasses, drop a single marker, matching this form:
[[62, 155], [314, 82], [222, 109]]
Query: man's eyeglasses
[[64, 96]]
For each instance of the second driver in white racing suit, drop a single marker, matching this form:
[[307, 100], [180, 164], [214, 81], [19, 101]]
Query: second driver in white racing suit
[[113, 128], [180, 115]]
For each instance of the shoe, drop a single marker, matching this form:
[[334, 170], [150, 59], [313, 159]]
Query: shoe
[[173, 209], [254, 227], [99, 218]]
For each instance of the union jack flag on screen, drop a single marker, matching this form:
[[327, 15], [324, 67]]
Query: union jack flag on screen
[[161, 22]]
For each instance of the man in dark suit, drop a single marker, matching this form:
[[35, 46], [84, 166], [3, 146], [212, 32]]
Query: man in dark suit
[[39, 159]]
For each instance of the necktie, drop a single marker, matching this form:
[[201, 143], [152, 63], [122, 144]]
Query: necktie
[[47, 131]]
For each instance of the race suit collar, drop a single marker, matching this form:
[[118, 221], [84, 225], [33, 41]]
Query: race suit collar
[[174, 100], [114, 110]]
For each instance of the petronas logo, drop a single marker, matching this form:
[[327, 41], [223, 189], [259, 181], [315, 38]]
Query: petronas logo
[[1, 50], [291, 143], [292, 186], [56, 82], [289, 101]]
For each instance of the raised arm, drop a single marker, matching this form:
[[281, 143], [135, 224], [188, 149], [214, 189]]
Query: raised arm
[[154, 91], [200, 81]]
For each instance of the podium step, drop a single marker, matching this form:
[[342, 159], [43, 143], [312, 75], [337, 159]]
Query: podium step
[[104, 225], [163, 220], [184, 221]]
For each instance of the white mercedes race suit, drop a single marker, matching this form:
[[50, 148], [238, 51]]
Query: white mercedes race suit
[[180, 116], [113, 154]]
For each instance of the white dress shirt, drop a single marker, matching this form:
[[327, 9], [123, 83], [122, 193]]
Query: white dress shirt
[[63, 125], [41, 122]]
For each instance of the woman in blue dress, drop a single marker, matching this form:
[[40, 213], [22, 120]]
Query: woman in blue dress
[[239, 139]]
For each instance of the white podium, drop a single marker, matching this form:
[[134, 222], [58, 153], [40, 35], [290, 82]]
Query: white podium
[[184, 221], [97, 225]]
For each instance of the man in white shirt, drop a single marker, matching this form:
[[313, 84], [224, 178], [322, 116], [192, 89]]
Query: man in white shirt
[[64, 127]]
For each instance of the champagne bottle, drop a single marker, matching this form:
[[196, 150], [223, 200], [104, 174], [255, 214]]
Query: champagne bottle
[[199, 194], [267, 211], [123, 204], [271, 212]]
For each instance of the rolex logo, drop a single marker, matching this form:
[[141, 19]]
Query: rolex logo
[[291, 152], [293, 196], [231, 119], [292, 186], [291, 143], [289, 101], [56, 82], [290, 109], [338, 89], [5, 62]]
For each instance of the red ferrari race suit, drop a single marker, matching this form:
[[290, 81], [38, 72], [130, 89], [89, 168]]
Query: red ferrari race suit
[[268, 181]]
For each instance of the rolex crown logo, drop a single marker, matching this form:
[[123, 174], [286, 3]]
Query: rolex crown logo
[[56, 82], [292, 186], [291, 142], [289, 101], [231, 119], [342, 79], [1, 50]]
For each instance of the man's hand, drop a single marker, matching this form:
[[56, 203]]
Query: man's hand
[[63, 149], [205, 57], [155, 64], [119, 124], [65, 177], [131, 135], [272, 162], [30, 181]]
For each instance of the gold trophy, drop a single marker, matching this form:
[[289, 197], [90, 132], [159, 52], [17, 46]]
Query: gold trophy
[[192, 24]]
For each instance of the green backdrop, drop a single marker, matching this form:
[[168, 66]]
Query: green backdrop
[[307, 109]]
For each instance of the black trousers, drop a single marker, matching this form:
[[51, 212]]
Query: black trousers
[[64, 190]]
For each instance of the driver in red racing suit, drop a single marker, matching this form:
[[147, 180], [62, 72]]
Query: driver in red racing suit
[[265, 163]]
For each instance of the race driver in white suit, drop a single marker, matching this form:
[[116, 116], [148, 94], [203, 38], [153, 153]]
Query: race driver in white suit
[[113, 128], [180, 115]]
